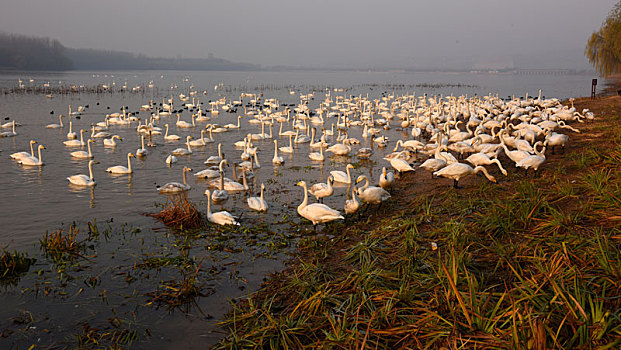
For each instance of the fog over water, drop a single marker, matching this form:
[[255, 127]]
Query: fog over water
[[330, 34]]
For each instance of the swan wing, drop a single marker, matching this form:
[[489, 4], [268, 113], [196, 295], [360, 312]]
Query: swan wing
[[319, 213]]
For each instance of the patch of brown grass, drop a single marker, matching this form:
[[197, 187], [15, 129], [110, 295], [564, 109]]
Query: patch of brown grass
[[179, 212]]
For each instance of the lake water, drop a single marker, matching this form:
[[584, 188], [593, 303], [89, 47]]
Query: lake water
[[39, 199]]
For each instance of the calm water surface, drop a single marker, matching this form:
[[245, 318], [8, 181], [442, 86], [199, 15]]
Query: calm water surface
[[40, 199]]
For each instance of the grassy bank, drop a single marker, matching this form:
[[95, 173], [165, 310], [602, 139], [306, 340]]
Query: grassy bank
[[525, 263]]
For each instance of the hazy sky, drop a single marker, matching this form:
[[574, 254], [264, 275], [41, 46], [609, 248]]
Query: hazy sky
[[312, 32]]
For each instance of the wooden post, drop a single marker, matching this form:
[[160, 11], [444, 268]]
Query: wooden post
[[593, 88]]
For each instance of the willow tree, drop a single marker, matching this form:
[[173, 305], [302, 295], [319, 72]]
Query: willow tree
[[604, 46]]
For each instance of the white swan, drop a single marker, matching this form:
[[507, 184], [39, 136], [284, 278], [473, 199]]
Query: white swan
[[387, 178], [436, 163], [110, 142], [56, 126], [276, 160], [220, 217], [288, 149], [176, 187], [233, 126], [233, 186], [533, 161], [514, 155], [119, 169], [399, 165], [321, 190], [11, 133], [171, 159], [352, 205], [201, 141], [183, 123], [142, 152], [71, 135], [20, 155], [211, 173], [30, 160], [83, 180], [258, 203], [101, 134], [317, 213], [339, 149], [554, 139], [184, 151], [215, 159], [477, 159], [342, 176], [317, 156], [456, 171], [220, 195], [371, 194], [83, 154], [76, 143], [170, 137]]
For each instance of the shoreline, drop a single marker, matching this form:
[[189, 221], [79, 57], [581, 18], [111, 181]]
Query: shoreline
[[492, 248]]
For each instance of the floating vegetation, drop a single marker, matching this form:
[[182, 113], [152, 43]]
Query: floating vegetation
[[61, 245], [12, 265], [180, 213], [114, 336], [175, 294]]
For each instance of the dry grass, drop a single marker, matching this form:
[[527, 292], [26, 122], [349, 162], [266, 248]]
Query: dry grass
[[180, 213]]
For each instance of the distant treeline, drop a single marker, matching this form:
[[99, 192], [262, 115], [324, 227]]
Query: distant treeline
[[19, 52], [90, 59]]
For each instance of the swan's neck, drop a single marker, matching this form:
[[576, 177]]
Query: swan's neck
[[542, 152], [497, 162], [305, 201], [221, 179], [185, 182], [32, 149], [262, 187], [40, 159], [366, 183], [88, 145], [187, 143], [244, 182], [60, 118], [166, 134], [129, 163], [90, 170], [142, 141], [484, 171], [220, 151], [208, 204], [256, 160]]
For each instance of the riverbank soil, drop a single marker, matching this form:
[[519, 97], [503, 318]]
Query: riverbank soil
[[529, 262]]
